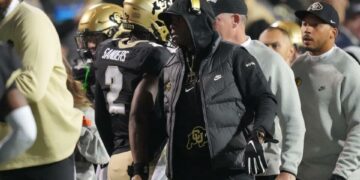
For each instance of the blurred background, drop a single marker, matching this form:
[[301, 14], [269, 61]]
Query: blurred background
[[65, 15]]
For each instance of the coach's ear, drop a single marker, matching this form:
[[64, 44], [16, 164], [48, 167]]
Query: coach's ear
[[236, 20], [333, 33]]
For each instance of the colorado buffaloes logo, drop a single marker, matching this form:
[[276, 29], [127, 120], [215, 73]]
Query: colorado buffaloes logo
[[160, 4], [115, 18], [315, 7], [196, 137], [298, 81]]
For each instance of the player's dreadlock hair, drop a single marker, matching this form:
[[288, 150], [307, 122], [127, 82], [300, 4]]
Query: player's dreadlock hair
[[76, 89]]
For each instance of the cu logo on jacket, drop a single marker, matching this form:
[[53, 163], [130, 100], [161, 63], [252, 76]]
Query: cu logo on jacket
[[197, 137]]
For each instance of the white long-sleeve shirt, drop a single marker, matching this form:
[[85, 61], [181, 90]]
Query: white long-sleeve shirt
[[287, 154], [329, 89]]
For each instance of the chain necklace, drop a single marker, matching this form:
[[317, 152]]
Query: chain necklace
[[191, 76]]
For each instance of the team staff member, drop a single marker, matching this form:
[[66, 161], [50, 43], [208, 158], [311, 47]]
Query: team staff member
[[208, 86], [327, 78], [42, 80], [284, 37], [14, 110], [278, 40], [283, 158]]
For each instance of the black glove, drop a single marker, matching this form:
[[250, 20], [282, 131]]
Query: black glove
[[254, 160], [336, 177], [140, 169]]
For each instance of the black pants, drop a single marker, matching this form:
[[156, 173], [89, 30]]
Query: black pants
[[217, 175], [62, 170], [266, 177]]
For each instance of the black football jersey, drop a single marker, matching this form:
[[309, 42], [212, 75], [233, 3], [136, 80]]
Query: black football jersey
[[120, 66]]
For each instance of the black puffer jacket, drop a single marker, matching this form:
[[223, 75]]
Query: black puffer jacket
[[231, 83]]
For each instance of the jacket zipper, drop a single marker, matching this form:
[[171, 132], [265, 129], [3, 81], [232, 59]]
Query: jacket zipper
[[202, 94]]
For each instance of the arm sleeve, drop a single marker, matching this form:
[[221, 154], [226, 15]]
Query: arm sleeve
[[349, 159], [40, 49], [23, 133], [290, 118], [255, 91]]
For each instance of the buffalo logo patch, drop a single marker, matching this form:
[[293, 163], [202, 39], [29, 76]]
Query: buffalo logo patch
[[197, 137], [315, 7], [160, 4]]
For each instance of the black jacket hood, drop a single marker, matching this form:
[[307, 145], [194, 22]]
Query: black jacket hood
[[200, 24]]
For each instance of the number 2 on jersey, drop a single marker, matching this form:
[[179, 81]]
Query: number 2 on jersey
[[114, 79]]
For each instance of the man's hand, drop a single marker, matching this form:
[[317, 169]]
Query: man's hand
[[254, 159], [285, 176], [136, 177]]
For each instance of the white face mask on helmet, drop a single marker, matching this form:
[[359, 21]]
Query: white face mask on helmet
[[145, 13]]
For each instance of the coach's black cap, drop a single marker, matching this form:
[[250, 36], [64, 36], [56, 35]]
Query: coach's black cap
[[229, 6], [323, 11]]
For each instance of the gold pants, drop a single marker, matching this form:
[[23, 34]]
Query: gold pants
[[118, 165]]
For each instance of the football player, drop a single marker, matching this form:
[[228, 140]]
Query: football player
[[127, 72], [14, 110], [98, 23]]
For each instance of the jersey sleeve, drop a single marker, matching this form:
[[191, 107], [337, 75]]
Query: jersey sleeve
[[156, 60]]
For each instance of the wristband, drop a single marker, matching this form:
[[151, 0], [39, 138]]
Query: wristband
[[141, 169]]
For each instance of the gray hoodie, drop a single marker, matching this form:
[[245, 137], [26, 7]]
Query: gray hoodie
[[329, 89], [289, 123]]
